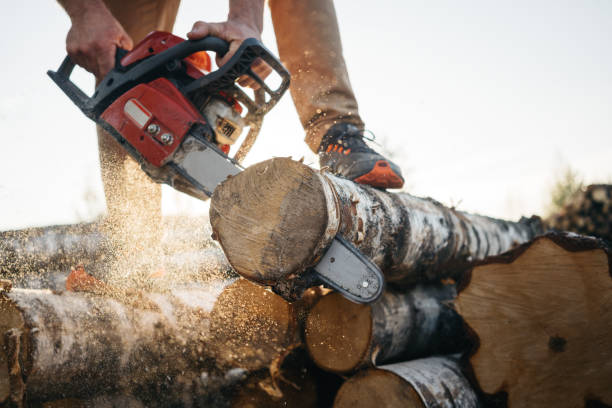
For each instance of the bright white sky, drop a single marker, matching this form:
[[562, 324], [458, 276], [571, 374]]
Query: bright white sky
[[481, 102]]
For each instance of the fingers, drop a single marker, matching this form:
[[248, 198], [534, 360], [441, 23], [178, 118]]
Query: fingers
[[105, 62], [261, 69], [234, 33], [234, 45], [126, 42], [92, 42], [201, 29]]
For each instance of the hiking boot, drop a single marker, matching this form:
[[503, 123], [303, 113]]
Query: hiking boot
[[345, 153]]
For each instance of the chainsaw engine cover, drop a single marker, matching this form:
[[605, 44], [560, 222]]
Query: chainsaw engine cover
[[153, 118]]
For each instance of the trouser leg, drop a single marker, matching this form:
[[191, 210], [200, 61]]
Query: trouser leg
[[133, 201], [309, 46]]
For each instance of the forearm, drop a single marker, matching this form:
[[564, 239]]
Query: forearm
[[249, 12], [76, 8]]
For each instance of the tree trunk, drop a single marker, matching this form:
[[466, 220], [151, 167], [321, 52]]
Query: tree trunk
[[42, 257], [542, 317], [342, 336], [588, 213], [276, 218], [163, 348], [435, 382]]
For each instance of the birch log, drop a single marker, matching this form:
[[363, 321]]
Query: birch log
[[157, 347], [39, 254], [542, 316], [342, 336], [42, 257], [434, 382], [276, 218]]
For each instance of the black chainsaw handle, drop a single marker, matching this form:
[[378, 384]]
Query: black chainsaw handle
[[121, 78], [240, 64]]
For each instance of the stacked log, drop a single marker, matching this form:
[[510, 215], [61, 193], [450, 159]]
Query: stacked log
[[342, 336], [42, 257], [425, 383], [275, 220], [157, 347], [541, 316], [588, 213]]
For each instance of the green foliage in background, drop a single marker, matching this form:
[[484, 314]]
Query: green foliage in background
[[567, 184]]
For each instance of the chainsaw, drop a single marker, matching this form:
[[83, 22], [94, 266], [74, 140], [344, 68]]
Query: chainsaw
[[178, 119]]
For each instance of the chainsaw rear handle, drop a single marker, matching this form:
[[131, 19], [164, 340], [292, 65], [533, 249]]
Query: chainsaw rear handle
[[122, 78]]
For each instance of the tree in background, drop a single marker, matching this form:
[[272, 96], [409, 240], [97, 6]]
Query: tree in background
[[567, 184]]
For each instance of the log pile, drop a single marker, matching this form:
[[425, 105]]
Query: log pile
[[476, 312], [588, 213]]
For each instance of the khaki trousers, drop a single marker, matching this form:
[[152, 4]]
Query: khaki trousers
[[309, 46]]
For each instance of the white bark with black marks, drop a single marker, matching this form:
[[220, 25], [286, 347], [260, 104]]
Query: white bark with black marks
[[434, 382], [275, 219], [163, 348], [342, 336]]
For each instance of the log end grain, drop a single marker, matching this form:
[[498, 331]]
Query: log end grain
[[338, 334], [377, 388], [251, 326], [270, 218], [543, 320]]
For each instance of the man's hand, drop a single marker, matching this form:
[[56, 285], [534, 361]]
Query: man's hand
[[231, 31], [245, 20], [235, 33], [94, 36]]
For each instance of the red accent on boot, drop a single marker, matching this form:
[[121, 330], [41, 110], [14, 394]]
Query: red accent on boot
[[381, 176]]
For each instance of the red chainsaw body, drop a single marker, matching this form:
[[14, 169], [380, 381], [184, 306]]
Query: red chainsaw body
[[147, 113], [159, 106]]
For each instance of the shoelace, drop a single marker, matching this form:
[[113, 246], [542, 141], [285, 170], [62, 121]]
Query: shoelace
[[371, 137]]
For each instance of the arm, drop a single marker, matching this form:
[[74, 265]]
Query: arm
[[94, 36]]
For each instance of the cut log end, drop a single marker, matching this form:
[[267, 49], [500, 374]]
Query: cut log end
[[338, 333], [377, 388], [251, 326], [11, 319], [270, 219], [543, 320]]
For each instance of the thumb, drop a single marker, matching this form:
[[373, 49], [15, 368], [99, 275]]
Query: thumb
[[126, 42]]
